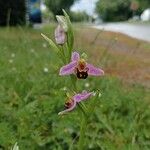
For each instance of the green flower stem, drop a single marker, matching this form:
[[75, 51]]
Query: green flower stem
[[62, 53], [73, 83], [83, 108], [82, 133], [84, 115], [68, 52]]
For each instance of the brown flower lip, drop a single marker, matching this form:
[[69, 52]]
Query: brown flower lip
[[81, 74], [68, 104]]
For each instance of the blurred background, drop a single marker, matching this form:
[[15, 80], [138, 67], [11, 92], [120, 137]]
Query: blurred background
[[94, 11], [115, 35]]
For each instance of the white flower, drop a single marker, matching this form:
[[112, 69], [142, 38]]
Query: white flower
[[45, 70], [64, 88], [87, 85], [94, 93], [32, 50], [13, 55], [11, 61]]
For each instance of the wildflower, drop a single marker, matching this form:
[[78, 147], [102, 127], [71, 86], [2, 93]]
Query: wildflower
[[10, 61], [13, 55], [32, 50], [87, 85], [64, 88], [45, 69], [80, 67], [60, 35], [72, 102]]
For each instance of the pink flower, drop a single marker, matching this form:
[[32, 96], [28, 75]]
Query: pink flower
[[80, 67], [72, 102], [60, 35]]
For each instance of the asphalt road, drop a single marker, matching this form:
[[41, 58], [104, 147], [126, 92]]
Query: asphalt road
[[139, 31]]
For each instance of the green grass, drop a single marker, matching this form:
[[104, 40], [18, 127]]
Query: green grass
[[30, 100]]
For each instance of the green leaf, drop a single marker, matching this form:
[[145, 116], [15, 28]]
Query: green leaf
[[51, 43], [70, 34]]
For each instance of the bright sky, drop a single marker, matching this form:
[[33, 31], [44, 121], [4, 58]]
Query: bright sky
[[84, 5], [81, 5]]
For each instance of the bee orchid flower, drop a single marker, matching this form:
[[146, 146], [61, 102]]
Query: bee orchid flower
[[80, 68], [72, 102]]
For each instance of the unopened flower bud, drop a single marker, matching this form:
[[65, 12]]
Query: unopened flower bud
[[60, 35], [62, 22]]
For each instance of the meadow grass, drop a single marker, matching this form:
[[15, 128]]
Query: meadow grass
[[32, 93]]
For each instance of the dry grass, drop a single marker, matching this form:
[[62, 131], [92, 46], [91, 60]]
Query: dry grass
[[120, 55]]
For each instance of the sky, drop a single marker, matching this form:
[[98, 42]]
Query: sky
[[81, 5], [84, 5]]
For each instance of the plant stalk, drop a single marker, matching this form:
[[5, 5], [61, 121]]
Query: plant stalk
[[83, 126]]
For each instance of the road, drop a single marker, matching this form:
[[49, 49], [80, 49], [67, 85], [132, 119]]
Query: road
[[139, 31]]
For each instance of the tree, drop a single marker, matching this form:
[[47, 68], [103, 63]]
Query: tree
[[143, 4], [56, 6], [79, 16], [138, 6], [114, 10], [12, 12], [120, 10]]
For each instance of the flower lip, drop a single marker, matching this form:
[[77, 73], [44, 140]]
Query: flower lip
[[68, 107], [81, 70], [81, 74], [69, 103]]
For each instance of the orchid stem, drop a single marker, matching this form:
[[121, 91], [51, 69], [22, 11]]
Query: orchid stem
[[74, 83], [84, 118], [63, 54], [82, 133]]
